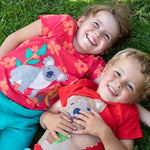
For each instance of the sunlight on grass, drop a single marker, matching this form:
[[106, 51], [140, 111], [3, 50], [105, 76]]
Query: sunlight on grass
[[78, 0]]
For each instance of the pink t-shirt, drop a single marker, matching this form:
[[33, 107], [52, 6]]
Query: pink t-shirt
[[123, 119], [31, 74]]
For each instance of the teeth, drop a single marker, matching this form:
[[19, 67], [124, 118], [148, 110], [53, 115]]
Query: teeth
[[91, 40], [113, 91]]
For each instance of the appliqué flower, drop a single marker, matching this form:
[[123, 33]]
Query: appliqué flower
[[68, 27], [9, 62], [54, 48], [44, 30], [68, 47], [81, 67], [99, 70], [4, 86]]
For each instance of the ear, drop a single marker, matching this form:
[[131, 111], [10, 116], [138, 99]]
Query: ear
[[80, 20]]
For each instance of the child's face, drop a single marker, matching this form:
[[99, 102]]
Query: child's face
[[96, 34], [122, 82]]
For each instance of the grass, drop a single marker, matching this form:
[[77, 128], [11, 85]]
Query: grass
[[16, 14]]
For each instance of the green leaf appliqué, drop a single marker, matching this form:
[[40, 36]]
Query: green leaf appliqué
[[42, 50], [33, 61], [28, 53], [18, 63]]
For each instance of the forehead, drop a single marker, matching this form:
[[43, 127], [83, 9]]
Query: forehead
[[127, 63]]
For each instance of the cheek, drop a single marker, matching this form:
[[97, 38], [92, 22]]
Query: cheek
[[128, 97], [104, 45], [78, 33], [108, 76]]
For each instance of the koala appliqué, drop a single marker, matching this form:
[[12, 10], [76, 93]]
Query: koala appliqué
[[36, 78]]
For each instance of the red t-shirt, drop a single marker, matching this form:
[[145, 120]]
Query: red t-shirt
[[123, 119], [31, 74]]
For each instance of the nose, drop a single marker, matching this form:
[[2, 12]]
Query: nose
[[117, 84], [76, 111], [49, 74], [98, 33]]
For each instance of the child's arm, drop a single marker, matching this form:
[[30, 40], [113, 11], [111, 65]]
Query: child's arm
[[144, 114], [55, 122], [95, 125], [14, 39]]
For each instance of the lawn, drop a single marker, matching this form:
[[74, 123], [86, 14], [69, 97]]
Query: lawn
[[15, 14]]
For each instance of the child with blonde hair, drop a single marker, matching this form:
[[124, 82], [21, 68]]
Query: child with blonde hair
[[106, 111]]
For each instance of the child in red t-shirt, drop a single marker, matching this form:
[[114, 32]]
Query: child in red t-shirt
[[107, 110]]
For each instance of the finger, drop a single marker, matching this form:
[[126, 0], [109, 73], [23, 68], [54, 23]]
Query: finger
[[80, 132], [50, 138], [80, 122], [94, 112], [66, 118], [81, 117], [65, 128], [67, 134], [67, 124], [55, 135], [86, 114]]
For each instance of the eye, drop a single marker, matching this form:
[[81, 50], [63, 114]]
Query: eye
[[107, 37], [96, 24], [117, 74], [130, 87]]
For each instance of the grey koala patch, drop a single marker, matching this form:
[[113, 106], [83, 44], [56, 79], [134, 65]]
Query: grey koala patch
[[36, 78]]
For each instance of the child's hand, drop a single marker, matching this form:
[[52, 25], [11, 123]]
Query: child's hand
[[95, 125], [92, 122], [59, 123]]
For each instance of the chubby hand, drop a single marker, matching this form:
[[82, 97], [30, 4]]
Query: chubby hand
[[59, 123], [92, 122]]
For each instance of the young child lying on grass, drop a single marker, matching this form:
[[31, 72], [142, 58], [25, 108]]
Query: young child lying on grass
[[104, 116]]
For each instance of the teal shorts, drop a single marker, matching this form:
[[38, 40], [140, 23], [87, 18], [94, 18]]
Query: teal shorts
[[18, 125]]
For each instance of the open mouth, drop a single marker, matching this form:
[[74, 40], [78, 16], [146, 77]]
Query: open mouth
[[112, 91], [91, 39]]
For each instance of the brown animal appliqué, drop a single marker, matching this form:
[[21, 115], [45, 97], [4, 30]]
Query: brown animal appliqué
[[76, 142]]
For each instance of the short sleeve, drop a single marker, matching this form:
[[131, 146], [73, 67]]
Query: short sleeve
[[53, 23], [129, 126]]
